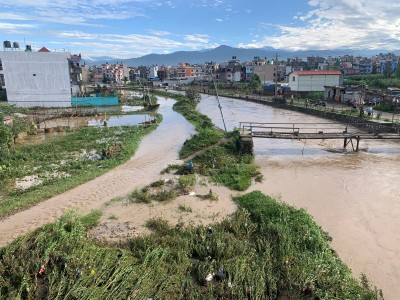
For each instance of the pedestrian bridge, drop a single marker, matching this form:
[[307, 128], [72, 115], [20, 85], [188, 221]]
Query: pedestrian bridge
[[321, 131]]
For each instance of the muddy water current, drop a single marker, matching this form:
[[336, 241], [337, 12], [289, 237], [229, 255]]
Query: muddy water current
[[355, 197]]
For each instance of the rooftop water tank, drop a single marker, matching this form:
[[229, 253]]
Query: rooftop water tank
[[28, 48], [7, 44], [15, 45]]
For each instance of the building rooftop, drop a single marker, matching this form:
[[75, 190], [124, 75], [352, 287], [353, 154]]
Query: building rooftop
[[43, 49], [316, 72]]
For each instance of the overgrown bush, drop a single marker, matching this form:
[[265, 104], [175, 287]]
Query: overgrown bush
[[267, 250]]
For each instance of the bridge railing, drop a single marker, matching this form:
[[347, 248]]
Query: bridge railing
[[306, 127]]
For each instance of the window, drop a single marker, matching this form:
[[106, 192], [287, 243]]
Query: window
[[293, 78], [2, 83], [1, 65]]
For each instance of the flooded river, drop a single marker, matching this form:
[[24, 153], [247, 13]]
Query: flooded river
[[353, 196]]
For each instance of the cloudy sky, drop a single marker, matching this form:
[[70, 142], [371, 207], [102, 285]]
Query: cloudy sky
[[133, 28]]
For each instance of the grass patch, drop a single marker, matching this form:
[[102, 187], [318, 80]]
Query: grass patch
[[165, 195], [158, 225], [157, 183], [266, 250], [216, 153], [112, 217], [79, 154], [209, 196], [112, 201], [92, 219], [140, 196], [148, 194], [187, 181], [201, 140], [185, 208]]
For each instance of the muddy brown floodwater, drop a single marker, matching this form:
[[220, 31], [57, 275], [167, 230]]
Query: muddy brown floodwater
[[120, 221], [353, 196]]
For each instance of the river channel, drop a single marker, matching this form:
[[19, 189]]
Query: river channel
[[355, 197]]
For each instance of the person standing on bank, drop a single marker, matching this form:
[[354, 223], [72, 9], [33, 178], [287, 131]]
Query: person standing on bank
[[369, 110]]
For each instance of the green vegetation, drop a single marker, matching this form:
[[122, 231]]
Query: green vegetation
[[264, 251], [76, 156], [186, 181], [315, 96], [378, 81], [185, 208], [161, 190], [215, 153], [387, 107]]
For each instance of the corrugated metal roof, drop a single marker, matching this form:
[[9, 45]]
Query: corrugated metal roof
[[316, 72]]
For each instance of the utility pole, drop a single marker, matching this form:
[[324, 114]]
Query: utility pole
[[276, 74], [219, 104]]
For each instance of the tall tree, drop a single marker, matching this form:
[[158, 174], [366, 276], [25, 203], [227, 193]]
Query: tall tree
[[255, 82]]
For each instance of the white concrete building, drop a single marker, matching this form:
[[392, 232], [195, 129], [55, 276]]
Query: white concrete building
[[314, 81], [153, 72], [36, 78]]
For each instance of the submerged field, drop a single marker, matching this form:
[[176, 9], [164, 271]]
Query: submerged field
[[32, 173]]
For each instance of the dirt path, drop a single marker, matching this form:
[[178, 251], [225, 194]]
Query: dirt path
[[156, 151]]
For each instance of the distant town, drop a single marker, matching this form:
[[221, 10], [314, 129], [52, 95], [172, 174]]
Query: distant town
[[50, 79]]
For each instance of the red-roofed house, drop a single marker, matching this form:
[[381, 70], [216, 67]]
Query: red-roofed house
[[43, 49], [314, 81]]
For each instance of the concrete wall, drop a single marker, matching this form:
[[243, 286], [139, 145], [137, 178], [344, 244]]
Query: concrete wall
[[94, 101], [37, 78], [265, 72], [312, 83]]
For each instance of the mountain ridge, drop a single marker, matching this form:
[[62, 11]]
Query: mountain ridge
[[224, 53]]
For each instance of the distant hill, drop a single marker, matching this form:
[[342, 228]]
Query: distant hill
[[225, 53]]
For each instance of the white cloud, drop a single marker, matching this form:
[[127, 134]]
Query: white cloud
[[10, 28], [73, 12], [200, 38], [219, 20], [367, 24], [159, 32], [126, 46]]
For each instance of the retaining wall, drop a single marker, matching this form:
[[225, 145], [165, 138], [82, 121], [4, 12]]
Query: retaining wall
[[362, 123]]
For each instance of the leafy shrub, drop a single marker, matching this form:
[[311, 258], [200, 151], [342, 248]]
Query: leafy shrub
[[187, 181]]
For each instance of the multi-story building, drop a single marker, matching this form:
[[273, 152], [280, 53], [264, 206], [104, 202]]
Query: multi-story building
[[314, 81], [366, 66], [248, 73], [185, 70], [75, 71], [313, 61], [199, 71], [153, 71], [231, 71], [388, 66], [45, 79], [349, 68], [118, 73], [164, 73], [210, 71], [297, 64], [121, 73], [266, 72], [144, 72]]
